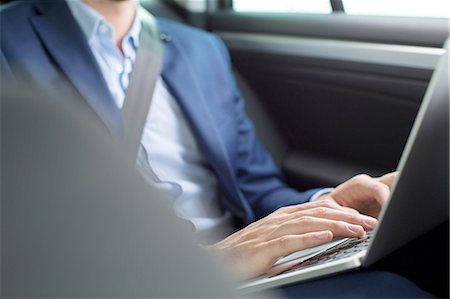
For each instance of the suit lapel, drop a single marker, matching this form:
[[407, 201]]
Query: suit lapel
[[70, 50], [184, 86]]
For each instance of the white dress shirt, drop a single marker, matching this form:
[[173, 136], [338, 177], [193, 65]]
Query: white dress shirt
[[171, 149]]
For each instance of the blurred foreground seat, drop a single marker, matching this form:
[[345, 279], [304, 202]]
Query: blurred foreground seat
[[78, 221]]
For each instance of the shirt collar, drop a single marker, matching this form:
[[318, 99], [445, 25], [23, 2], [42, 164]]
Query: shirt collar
[[90, 20], [135, 30]]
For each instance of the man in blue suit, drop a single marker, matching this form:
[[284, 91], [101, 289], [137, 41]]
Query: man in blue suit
[[197, 138]]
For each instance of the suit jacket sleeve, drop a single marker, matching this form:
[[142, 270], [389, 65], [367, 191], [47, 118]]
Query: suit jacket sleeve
[[258, 177]]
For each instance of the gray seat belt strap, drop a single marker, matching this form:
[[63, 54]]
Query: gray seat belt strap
[[145, 74]]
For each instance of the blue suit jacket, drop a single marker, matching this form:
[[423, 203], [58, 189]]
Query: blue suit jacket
[[41, 39]]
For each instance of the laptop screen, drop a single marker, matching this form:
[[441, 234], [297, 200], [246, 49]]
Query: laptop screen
[[420, 196]]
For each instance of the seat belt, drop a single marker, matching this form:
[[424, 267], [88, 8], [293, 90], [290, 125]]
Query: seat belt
[[139, 94]]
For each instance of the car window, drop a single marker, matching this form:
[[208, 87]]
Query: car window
[[409, 8], [305, 6], [413, 8]]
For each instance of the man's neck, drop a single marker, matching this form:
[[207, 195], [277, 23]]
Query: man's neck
[[119, 13]]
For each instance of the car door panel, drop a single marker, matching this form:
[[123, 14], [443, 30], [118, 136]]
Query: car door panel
[[342, 101]]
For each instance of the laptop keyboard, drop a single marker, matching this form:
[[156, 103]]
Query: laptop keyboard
[[342, 250]]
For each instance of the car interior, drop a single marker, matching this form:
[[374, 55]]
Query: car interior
[[331, 95]]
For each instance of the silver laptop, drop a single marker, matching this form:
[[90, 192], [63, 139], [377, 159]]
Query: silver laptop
[[419, 199]]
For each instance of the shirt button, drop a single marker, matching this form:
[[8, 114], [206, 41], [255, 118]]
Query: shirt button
[[102, 29], [119, 69]]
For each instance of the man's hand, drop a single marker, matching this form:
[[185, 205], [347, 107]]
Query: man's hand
[[363, 193], [253, 250]]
